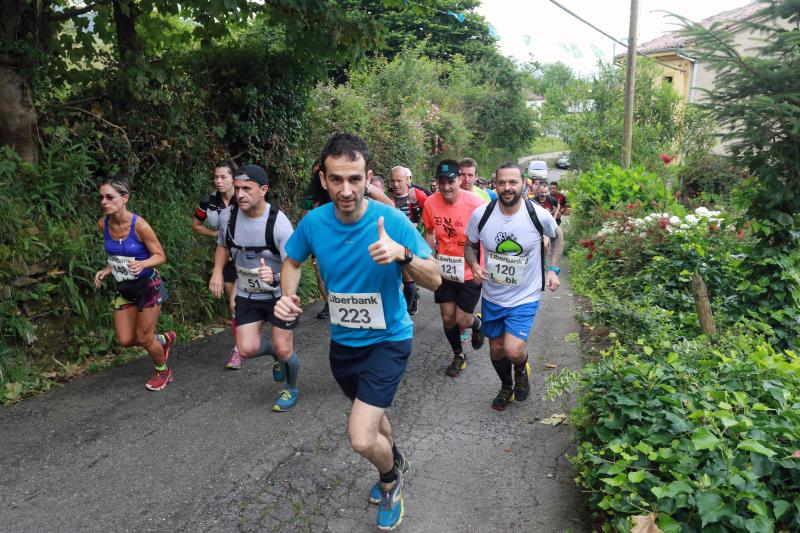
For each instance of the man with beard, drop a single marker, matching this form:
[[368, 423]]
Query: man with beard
[[362, 249], [511, 231]]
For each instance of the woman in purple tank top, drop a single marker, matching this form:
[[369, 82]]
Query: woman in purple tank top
[[133, 253]]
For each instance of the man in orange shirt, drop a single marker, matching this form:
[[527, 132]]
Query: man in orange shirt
[[445, 217]]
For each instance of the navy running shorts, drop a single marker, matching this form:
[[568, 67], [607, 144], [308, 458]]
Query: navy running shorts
[[370, 373]]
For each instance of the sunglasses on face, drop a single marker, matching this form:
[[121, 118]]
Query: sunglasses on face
[[109, 197]]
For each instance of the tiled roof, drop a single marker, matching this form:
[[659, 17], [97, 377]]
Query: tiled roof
[[727, 19]]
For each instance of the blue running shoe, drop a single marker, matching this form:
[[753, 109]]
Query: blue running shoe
[[287, 399], [277, 372], [464, 336], [390, 509], [400, 463]]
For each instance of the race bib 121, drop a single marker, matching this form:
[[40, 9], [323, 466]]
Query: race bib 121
[[451, 267]]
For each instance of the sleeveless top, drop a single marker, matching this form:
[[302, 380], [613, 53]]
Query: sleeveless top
[[130, 246]]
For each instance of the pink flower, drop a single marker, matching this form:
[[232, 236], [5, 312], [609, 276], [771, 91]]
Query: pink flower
[[666, 158]]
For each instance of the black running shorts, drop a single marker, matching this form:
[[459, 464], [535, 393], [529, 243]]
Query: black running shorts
[[465, 295]]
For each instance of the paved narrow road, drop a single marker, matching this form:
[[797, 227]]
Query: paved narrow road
[[206, 454]]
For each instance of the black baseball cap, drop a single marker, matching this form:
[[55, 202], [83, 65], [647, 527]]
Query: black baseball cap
[[447, 169], [254, 173]]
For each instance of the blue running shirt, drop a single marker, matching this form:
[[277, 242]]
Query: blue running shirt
[[342, 252]]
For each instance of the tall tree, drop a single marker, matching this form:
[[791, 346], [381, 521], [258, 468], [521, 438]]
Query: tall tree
[[756, 96], [444, 35]]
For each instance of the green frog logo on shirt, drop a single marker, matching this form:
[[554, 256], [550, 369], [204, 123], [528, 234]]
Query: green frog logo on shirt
[[507, 244]]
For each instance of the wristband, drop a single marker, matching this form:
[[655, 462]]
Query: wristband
[[407, 259], [554, 269]]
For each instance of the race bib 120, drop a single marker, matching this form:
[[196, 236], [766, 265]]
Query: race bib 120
[[250, 281], [451, 267], [359, 310], [506, 269], [119, 267]]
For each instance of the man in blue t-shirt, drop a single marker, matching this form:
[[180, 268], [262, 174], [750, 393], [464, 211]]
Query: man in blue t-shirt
[[362, 249]]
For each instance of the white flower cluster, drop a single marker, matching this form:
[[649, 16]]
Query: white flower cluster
[[673, 224]]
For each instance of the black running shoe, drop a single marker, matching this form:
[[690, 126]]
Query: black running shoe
[[459, 363], [522, 386], [503, 399], [325, 313], [477, 335], [413, 308]]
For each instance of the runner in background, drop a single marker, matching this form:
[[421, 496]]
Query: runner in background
[[133, 253], [410, 201], [469, 176], [446, 216], [254, 234], [206, 222]]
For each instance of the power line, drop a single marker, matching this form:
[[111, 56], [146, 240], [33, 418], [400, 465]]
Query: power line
[[613, 38]]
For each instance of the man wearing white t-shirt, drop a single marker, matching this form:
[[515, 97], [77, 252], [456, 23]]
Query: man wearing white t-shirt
[[511, 230]]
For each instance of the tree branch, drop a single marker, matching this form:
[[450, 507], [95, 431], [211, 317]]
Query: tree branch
[[70, 13]]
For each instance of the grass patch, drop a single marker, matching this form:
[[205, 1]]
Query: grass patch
[[546, 145]]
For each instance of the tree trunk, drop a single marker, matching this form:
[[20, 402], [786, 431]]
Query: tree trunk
[[17, 115], [130, 47]]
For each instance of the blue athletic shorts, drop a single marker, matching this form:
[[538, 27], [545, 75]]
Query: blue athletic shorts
[[515, 320], [370, 373]]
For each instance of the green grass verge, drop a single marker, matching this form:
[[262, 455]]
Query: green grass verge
[[546, 145]]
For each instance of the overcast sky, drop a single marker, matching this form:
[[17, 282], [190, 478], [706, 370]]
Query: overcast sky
[[538, 29]]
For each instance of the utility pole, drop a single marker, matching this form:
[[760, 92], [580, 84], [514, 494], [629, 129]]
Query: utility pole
[[630, 83]]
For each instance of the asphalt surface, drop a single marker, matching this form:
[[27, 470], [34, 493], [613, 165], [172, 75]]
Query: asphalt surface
[[207, 454]]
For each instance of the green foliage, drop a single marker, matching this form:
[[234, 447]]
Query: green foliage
[[755, 97], [439, 35], [402, 106], [609, 187], [661, 124], [703, 435]]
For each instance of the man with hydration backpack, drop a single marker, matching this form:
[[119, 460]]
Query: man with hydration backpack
[[511, 230]]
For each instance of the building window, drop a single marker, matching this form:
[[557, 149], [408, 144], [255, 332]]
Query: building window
[[668, 79]]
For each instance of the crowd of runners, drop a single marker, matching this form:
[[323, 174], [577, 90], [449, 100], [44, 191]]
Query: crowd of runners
[[371, 248]]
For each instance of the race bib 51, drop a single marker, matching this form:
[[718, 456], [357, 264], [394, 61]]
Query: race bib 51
[[359, 310], [250, 281]]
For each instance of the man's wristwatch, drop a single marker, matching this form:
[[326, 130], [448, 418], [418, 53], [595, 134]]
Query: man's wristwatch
[[554, 269], [408, 257]]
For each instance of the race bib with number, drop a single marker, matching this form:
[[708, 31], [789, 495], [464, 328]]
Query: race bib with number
[[250, 281], [361, 310], [451, 267], [119, 267], [506, 269]]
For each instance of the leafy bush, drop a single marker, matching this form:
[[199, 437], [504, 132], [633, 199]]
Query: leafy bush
[[705, 436]]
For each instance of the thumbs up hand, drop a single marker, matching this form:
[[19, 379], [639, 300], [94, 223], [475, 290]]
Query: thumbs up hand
[[385, 251], [265, 273]]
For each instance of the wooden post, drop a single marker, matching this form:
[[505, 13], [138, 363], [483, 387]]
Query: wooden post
[[630, 84], [703, 305]]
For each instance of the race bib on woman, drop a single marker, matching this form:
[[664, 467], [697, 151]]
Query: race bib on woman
[[506, 269], [451, 267], [119, 267], [360, 310], [250, 281]]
